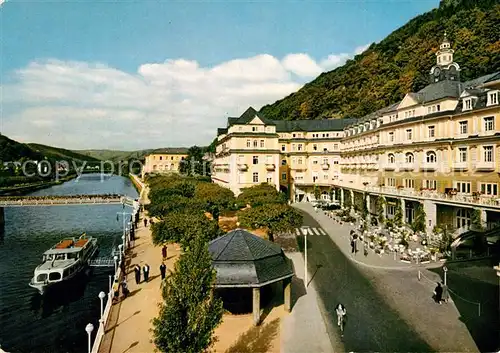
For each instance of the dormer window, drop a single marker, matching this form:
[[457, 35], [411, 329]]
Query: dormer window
[[467, 105], [492, 98], [254, 128]]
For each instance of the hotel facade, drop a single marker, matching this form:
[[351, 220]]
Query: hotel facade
[[164, 161], [439, 147]]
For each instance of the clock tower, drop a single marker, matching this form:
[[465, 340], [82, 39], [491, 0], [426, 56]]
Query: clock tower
[[445, 68]]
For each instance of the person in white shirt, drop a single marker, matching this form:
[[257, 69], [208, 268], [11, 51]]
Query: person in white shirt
[[341, 312]]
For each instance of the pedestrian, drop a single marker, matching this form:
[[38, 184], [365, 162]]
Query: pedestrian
[[145, 271], [164, 252], [116, 289], [445, 294], [365, 249], [137, 271], [145, 222], [163, 270], [122, 266], [125, 290], [438, 293]]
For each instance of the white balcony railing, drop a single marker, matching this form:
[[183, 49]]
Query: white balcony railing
[[325, 166], [485, 166], [407, 166], [431, 194], [460, 166], [270, 166], [428, 166], [242, 167]]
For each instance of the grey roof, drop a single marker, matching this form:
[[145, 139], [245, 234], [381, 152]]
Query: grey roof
[[312, 125], [171, 150], [481, 80], [247, 117], [244, 259], [439, 90], [221, 130]]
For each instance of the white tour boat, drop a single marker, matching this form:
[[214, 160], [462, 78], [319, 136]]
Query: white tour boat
[[63, 261]]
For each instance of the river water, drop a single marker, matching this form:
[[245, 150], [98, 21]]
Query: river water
[[56, 323]]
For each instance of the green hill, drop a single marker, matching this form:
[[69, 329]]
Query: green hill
[[114, 156], [55, 153], [400, 63], [11, 150]]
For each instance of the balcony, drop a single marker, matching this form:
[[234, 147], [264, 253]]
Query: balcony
[[460, 166], [485, 166], [298, 167], [428, 166], [242, 167], [390, 166], [325, 166], [407, 166], [270, 166], [372, 166]]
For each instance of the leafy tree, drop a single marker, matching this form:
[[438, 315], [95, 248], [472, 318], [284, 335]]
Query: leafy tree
[[275, 217], [398, 215], [476, 219], [260, 195], [364, 207], [214, 195], [317, 192], [174, 203], [194, 163], [381, 209], [418, 224], [190, 311], [347, 200], [183, 228]]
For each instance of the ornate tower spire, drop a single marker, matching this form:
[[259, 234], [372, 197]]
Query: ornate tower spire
[[445, 53]]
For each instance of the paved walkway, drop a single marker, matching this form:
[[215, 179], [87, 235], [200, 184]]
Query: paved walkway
[[128, 327], [340, 235], [304, 330]]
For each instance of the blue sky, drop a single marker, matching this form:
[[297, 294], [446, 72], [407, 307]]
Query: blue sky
[[68, 62]]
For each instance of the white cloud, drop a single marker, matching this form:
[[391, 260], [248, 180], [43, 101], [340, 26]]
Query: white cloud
[[2, 2], [361, 49], [175, 103], [301, 65]]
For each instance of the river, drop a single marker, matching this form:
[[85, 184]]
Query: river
[[30, 323]]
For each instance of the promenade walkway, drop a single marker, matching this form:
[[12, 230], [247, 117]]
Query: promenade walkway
[[128, 327]]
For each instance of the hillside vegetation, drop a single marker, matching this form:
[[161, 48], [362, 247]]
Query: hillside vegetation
[[11, 150], [60, 154], [114, 156], [400, 63]]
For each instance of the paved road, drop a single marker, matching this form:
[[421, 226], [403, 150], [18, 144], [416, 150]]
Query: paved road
[[372, 322]]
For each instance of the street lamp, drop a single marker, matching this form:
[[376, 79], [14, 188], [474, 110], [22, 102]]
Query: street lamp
[[445, 269], [116, 263], [89, 328], [120, 247], [123, 242], [497, 268], [102, 295], [110, 284]]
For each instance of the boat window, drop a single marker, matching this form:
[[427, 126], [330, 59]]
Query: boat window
[[50, 257], [60, 256], [54, 276], [41, 277], [72, 256]]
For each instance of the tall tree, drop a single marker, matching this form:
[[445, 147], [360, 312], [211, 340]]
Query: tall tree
[[190, 311]]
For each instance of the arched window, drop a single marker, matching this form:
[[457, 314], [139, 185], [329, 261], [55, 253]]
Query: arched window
[[391, 158], [409, 158], [431, 157]]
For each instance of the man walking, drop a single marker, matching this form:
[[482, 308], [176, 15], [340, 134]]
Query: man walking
[[137, 271], [145, 222], [438, 293], [163, 270], [445, 294], [145, 271]]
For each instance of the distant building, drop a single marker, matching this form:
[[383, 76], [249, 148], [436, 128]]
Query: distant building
[[165, 160], [439, 147]]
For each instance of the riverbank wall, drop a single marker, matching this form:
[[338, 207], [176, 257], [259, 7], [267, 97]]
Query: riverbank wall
[[137, 183]]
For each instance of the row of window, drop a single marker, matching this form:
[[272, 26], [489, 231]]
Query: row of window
[[300, 147], [492, 99], [488, 155], [161, 158]]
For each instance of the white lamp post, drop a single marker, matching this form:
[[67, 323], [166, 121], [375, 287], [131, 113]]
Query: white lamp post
[[116, 263], [445, 269], [102, 295], [89, 328], [110, 284], [123, 242], [497, 268], [120, 247]]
